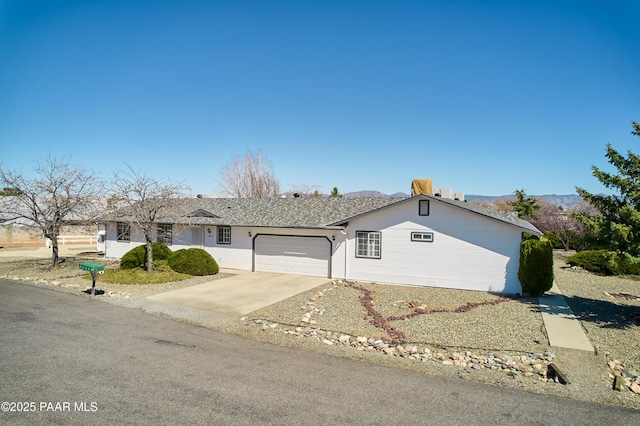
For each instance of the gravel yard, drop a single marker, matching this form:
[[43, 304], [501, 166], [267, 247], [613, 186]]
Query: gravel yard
[[471, 335], [503, 324], [612, 323]]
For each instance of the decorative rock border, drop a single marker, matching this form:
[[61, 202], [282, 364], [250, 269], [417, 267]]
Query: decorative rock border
[[525, 365], [541, 366], [63, 285], [623, 378], [529, 365]]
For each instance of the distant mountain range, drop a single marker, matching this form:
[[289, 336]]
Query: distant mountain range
[[373, 194], [564, 201]]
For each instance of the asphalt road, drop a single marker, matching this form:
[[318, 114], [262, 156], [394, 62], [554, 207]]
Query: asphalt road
[[68, 359]]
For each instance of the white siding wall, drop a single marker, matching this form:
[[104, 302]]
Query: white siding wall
[[116, 249], [339, 254], [238, 254], [468, 251]]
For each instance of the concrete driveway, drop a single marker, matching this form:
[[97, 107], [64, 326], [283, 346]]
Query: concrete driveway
[[240, 294]]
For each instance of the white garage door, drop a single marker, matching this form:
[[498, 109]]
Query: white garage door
[[293, 255]]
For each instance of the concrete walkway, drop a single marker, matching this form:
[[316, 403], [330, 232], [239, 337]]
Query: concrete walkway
[[563, 327], [240, 294]]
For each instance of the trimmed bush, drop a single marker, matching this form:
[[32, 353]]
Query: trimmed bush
[[160, 252], [193, 261], [536, 266], [605, 262], [137, 256]]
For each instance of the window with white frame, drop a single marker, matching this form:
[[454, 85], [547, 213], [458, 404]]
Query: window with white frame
[[224, 235], [423, 207], [426, 237], [123, 231], [165, 233], [368, 244]]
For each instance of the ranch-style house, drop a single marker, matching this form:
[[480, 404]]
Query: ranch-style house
[[424, 240]]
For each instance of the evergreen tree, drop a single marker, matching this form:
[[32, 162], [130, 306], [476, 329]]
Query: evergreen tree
[[10, 192], [335, 192], [525, 206], [617, 224]]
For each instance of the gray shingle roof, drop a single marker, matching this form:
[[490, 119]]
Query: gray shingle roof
[[272, 212], [303, 212], [506, 217]]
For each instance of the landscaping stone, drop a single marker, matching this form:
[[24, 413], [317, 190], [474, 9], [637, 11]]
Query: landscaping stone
[[618, 384]]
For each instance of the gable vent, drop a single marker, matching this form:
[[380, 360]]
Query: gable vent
[[202, 213]]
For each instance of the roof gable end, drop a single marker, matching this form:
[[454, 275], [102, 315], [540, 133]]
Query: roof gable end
[[203, 213], [470, 208]]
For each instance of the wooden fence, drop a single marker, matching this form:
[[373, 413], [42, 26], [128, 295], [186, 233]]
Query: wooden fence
[[73, 239]]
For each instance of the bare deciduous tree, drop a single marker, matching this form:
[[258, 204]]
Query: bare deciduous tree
[[59, 194], [567, 229], [498, 204], [250, 176], [552, 218], [483, 203], [305, 191], [145, 201]]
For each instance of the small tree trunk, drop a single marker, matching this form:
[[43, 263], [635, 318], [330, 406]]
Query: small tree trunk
[[54, 250], [149, 256]]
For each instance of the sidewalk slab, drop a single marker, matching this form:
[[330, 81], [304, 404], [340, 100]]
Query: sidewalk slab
[[563, 327]]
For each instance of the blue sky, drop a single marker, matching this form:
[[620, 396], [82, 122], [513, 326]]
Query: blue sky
[[483, 97]]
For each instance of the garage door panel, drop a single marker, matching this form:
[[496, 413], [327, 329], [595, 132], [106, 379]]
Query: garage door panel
[[293, 255]]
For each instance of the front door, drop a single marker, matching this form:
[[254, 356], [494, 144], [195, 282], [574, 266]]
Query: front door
[[196, 237]]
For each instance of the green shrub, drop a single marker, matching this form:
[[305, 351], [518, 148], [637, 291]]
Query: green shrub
[[193, 261], [629, 265], [553, 239], [134, 258], [137, 256], [536, 266], [605, 262], [601, 262]]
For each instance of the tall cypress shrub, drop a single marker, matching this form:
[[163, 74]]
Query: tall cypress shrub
[[536, 266]]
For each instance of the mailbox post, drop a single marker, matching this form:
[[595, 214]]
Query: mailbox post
[[94, 269]]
